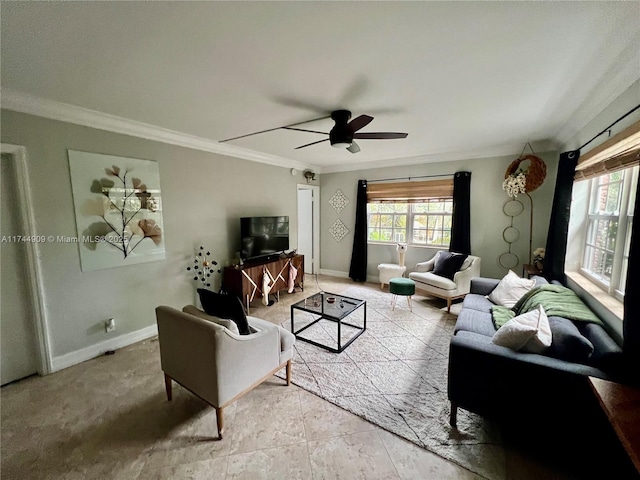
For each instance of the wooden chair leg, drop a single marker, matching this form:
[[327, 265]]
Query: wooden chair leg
[[453, 419], [448, 305], [409, 302], [289, 372], [167, 386], [220, 420]]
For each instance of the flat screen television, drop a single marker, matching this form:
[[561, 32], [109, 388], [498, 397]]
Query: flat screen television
[[263, 236]]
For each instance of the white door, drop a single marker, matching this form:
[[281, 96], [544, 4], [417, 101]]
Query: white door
[[305, 228], [309, 226], [18, 357]]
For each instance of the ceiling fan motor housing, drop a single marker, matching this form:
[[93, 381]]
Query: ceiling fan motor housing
[[341, 136]]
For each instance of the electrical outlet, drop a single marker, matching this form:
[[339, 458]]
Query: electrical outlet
[[110, 325]]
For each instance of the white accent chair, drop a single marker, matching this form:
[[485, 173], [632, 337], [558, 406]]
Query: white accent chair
[[213, 362], [442, 287]]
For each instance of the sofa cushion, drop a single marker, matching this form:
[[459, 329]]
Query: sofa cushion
[[568, 343], [477, 302], [448, 263], [475, 321], [528, 332], [225, 306], [433, 280], [225, 322], [607, 354], [510, 289]]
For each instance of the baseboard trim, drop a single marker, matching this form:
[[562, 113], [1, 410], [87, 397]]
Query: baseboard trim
[[93, 351], [334, 273], [339, 274]]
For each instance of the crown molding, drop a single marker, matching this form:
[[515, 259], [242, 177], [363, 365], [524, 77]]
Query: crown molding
[[65, 112], [490, 152]]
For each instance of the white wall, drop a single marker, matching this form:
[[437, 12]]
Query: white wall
[[203, 197], [487, 219]]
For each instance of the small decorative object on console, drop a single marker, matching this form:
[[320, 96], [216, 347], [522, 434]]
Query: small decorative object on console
[[203, 268], [538, 257]]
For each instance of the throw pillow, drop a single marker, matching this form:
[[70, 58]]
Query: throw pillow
[[510, 289], [448, 263], [224, 322], [225, 306], [529, 332], [568, 343]]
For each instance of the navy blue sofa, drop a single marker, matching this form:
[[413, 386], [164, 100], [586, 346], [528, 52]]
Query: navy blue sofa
[[497, 382]]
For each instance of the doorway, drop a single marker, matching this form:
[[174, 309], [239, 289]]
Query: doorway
[[309, 226], [24, 349]]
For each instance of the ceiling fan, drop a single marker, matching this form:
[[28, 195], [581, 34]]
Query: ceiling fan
[[343, 133]]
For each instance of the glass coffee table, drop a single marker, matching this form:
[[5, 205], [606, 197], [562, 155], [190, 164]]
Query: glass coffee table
[[332, 308]]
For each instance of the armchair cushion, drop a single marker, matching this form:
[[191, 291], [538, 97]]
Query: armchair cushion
[[448, 263], [225, 322], [225, 306]]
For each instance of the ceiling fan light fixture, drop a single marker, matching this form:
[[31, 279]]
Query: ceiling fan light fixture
[[342, 145]]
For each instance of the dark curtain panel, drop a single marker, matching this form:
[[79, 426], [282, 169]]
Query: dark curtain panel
[[358, 268], [556, 248], [631, 326], [461, 218]]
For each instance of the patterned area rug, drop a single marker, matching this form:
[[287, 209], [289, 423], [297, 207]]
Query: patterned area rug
[[395, 375]]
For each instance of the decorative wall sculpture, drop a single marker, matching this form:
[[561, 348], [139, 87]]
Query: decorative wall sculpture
[[118, 210], [338, 230], [338, 201]]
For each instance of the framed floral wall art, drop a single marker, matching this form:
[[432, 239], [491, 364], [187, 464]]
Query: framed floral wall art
[[118, 210]]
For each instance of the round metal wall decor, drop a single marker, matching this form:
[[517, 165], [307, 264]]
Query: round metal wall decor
[[512, 208], [508, 260], [511, 234]]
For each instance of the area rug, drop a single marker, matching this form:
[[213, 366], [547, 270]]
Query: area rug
[[395, 376]]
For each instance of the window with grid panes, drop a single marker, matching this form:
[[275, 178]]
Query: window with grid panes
[[425, 222], [608, 236]]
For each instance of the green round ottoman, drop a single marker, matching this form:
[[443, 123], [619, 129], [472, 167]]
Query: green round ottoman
[[402, 286]]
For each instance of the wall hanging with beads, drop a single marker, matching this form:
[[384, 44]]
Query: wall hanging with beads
[[202, 267]]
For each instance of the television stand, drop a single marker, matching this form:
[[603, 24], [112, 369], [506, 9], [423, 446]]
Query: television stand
[[246, 281]]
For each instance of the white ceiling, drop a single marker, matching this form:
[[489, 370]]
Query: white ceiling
[[463, 79]]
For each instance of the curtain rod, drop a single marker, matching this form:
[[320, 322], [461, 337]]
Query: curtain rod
[[607, 129], [410, 178]]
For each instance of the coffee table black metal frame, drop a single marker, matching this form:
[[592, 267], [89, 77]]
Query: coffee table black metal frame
[[334, 312]]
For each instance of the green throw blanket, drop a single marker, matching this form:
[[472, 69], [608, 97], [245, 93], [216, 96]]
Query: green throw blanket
[[556, 300]]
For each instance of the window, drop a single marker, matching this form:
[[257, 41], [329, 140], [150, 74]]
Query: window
[[608, 229], [425, 222]]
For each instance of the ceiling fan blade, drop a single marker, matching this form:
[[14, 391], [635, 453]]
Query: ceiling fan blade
[[380, 135], [312, 143], [359, 122], [354, 148], [276, 128], [304, 130]]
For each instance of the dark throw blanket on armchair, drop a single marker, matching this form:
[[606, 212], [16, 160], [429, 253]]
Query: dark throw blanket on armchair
[[556, 300]]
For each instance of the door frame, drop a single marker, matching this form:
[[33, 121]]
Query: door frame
[[18, 155], [315, 234]]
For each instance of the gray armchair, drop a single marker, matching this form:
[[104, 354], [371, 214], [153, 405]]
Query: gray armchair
[[214, 363]]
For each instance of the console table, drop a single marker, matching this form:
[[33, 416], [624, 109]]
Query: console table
[[245, 281], [621, 403]]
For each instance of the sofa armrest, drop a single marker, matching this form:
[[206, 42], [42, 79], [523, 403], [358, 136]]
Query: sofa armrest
[[463, 278], [483, 285], [427, 266]]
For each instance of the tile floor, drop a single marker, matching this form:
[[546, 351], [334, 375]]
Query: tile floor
[[108, 418]]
